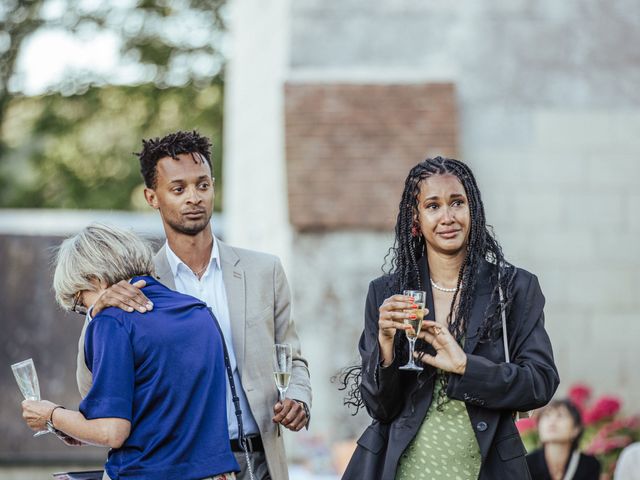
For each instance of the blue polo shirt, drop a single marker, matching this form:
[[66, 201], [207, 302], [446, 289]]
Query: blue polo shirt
[[164, 372]]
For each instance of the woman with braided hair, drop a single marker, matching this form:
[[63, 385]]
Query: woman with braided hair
[[455, 418]]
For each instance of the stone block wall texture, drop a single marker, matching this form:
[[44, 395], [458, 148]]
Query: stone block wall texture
[[549, 115], [348, 148]]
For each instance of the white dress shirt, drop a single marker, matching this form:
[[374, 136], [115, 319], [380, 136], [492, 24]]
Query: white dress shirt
[[210, 289]]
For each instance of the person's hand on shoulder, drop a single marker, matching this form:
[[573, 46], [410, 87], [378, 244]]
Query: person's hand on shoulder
[[125, 296], [36, 413]]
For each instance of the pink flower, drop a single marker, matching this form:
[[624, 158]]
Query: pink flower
[[526, 425], [605, 407], [600, 446], [629, 423], [579, 394]]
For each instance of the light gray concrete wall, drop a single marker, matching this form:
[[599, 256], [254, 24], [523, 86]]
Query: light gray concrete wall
[[569, 214], [330, 280], [255, 195], [501, 53], [550, 123]]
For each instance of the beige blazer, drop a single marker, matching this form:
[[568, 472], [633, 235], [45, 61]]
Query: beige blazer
[[260, 312]]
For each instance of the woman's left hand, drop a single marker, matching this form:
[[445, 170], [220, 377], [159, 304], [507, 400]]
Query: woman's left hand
[[449, 356], [36, 413]]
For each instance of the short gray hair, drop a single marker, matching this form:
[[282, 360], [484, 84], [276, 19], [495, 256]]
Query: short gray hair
[[99, 252]]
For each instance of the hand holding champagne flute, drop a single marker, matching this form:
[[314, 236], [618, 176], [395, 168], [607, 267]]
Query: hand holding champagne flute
[[282, 362], [27, 378], [414, 323]]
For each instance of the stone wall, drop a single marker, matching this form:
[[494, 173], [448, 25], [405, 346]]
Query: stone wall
[[549, 118]]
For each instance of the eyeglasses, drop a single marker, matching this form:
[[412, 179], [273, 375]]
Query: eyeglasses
[[77, 306]]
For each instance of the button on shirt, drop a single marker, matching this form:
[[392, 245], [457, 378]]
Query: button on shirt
[[210, 289]]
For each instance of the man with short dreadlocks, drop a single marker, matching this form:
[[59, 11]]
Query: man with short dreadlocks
[[247, 292], [482, 347]]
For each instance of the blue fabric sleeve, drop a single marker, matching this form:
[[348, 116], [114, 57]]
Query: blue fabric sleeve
[[109, 356]]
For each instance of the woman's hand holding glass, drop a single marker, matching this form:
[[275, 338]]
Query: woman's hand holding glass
[[392, 315], [36, 413], [449, 355]]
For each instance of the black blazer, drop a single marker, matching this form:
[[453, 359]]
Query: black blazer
[[588, 467], [491, 388]]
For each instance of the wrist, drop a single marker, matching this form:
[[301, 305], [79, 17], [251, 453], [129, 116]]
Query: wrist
[[305, 407], [386, 353], [462, 366], [384, 339], [53, 410], [307, 413], [386, 362]]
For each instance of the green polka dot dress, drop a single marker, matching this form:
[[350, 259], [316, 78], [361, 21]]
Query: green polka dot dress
[[445, 447]]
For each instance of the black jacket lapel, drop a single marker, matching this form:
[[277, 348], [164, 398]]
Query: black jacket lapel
[[481, 301]]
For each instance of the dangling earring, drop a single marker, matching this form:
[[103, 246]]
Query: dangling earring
[[415, 229]]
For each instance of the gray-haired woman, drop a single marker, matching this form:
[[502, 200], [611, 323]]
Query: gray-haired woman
[[159, 385]]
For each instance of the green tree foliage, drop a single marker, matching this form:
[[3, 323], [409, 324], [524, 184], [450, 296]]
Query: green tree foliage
[[72, 147], [77, 151]]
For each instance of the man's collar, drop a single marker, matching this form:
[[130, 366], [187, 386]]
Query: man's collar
[[175, 261]]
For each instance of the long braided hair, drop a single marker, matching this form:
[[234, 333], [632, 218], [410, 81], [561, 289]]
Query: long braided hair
[[403, 273]]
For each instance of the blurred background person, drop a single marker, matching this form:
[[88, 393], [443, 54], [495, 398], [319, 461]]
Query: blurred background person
[[158, 398], [560, 428]]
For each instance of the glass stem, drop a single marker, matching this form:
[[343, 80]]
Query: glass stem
[[412, 344]]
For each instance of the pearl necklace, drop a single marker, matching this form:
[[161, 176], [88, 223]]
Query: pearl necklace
[[442, 289]]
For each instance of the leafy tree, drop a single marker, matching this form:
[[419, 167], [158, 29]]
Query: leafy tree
[[71, 147], [77, 151], [18, 20]]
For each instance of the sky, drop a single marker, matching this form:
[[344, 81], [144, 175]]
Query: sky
[[50, 53]]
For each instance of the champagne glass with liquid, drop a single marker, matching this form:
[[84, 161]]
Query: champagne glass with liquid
[[27, 378], [419, 298], [282, 358]]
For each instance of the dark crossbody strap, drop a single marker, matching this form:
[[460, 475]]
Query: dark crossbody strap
[[234, 394], [505, 340]]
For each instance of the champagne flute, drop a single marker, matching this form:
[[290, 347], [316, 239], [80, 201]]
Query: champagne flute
[[282, 358], [419, 298], [27, 378]]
